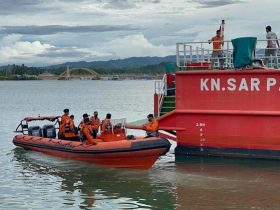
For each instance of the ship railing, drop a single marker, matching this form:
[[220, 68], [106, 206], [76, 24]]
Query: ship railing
[[161, 91], [270, 61], [192, 55], [199, 54]]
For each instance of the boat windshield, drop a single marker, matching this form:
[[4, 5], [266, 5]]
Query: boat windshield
[[119, 123]]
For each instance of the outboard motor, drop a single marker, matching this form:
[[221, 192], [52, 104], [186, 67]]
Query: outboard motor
[[49, 131], [35, 131]]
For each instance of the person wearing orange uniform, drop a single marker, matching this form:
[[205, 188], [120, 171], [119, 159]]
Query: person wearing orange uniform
[[107, 126], [86, 132], [70, 130], [64, 119], [151, 127], [95, 123], [217, 54], [82, 123]]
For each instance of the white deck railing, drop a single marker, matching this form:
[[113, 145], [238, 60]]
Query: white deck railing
[[161, 91], [201, 52]]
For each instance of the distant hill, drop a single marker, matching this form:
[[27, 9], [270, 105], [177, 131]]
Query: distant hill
[[119, 63], [127, 62], [133, 65]]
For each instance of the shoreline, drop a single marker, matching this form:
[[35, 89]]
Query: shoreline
[[102, 78]]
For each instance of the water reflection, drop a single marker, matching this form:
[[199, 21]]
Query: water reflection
[[189, 183], [226, 183], [86, 185]]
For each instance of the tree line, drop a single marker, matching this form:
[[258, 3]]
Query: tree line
[[25, 72]]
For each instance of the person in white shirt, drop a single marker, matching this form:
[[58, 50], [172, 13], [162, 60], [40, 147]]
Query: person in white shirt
[[271, 48]]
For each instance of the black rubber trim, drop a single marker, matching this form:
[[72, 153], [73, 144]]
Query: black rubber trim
[[227, 152]]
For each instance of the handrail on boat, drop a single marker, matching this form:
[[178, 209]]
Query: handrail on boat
[[201, 52], [161, 91], [23, 125]]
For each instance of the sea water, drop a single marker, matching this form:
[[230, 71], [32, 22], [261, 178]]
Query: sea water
[[32, 180]]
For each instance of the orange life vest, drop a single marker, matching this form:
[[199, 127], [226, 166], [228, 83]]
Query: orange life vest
[[151, 128], [217, 43], [69, 128], [95, 123], [64, 119], [107, 126], [86, 131]]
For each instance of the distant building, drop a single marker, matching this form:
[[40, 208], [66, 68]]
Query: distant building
[[46, 75]]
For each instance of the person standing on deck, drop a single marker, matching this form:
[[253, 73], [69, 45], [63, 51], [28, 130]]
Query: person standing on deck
[[106, 125], [64, 119], [71, 130], [95, 123], [217, 53], [271, 48]]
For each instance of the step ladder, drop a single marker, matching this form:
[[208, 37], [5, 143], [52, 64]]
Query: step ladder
[[168, 105]]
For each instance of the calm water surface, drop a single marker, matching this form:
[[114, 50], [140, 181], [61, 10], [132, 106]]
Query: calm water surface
[[31, 180]]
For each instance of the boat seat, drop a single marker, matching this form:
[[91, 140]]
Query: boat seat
[[35, 131], [49, 131]]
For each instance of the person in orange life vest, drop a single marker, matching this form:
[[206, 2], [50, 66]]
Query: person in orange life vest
[[217, 53], [85, 116], [86, 132], [95, 123], [107, 126], [151, 127], [63, 121], [70, 130]]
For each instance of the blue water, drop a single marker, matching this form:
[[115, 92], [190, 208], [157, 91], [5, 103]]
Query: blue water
[[31, 180]]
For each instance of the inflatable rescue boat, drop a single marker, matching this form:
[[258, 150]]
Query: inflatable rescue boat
[[140, 152]]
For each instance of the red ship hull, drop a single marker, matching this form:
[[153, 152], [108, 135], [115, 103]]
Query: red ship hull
[[227, 113]]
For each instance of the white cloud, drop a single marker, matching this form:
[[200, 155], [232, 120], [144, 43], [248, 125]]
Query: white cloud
[[16, 50], [13, 49], [159, 25], [135, 45], [10, 39]]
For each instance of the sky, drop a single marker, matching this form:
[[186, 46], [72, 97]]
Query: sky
[[47, 32]]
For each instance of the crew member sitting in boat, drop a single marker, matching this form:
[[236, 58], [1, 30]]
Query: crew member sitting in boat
[[87, 131], [107, 126], [95, 123], [82, 123], [151, 127], [70, 130], [63, 121]]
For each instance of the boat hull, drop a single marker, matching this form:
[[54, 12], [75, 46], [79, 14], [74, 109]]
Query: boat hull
[[139, 154], [226, 113]]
